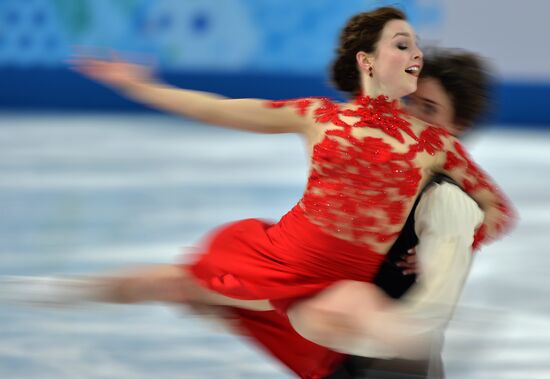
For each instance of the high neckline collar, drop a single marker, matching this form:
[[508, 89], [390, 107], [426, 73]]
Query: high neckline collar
[[381, 101]]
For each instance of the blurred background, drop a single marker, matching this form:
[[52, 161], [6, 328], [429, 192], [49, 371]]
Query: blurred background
[[260, 48], [90, 181]]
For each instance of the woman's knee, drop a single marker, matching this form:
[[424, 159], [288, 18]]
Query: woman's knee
[[323, 325]]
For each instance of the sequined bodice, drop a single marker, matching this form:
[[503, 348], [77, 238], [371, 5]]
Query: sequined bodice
[[360, 187]]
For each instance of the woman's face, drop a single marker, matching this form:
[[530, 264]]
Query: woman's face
[[397, 60]]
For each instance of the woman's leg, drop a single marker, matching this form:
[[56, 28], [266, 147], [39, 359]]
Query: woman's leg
[[165, 283], [358, 318], [337, 315]]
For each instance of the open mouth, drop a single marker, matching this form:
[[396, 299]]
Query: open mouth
[[413, 70]]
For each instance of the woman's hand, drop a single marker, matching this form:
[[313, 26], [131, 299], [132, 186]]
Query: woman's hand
[[408, 263], [114, 72], [137, 82]]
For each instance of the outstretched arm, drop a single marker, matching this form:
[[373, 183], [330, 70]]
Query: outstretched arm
[[138, 83], [499, 212]]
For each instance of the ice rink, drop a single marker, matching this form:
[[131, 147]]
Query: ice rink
[[81, 193]]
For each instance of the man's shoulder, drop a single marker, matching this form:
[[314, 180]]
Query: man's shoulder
[[441, 186], [446, 207], [442, 179]]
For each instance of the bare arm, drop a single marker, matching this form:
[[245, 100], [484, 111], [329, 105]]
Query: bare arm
[[137, 83]]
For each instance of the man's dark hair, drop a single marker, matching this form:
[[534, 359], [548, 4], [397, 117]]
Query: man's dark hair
[[465, 78]]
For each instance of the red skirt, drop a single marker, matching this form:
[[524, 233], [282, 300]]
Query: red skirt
[[283, 262], [273, 332], [255, 260]]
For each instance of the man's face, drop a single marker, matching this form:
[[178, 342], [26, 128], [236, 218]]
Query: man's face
[[431, 104]]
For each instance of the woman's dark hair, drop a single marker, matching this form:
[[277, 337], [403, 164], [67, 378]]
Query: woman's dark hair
[[464, 77], [361, 33]]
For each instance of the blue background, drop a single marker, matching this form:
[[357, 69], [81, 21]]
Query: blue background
[[238, 48]]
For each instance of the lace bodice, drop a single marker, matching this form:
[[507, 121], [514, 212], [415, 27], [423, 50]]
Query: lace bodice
[[361, 186]]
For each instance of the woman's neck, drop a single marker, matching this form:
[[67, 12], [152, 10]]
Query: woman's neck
[[374, 101], [371, 88]]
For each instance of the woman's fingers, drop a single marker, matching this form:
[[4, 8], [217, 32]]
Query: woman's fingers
[[408, 262]]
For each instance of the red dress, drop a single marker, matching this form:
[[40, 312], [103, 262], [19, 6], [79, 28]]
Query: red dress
[[358, 195]]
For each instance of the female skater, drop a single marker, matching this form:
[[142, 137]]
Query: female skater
[[368, 162]]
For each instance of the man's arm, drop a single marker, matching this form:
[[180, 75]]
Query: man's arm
[[445, 221]]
